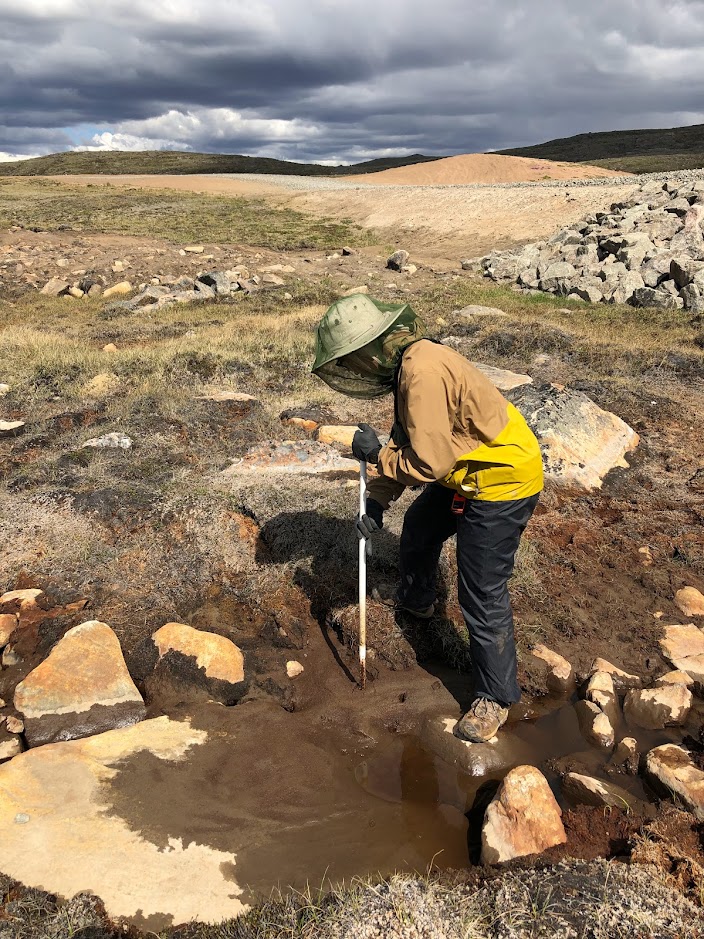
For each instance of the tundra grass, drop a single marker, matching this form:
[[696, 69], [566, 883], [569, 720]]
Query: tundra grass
[[181, 217]]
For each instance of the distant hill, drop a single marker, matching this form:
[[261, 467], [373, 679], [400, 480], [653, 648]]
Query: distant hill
[[148, 162], [633, 151]]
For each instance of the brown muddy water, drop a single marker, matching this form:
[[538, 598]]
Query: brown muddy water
[[322, 795]]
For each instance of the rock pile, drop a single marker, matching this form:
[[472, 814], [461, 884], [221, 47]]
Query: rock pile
[[647, 251]]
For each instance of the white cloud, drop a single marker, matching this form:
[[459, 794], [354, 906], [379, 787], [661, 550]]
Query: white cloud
[[327, 79], [12, 157]]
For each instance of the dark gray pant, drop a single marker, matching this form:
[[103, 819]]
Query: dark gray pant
[[488, 535]]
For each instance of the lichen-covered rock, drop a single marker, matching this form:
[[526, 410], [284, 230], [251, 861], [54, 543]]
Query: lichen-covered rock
[[670, 768], [580, 442], [81, 688], [657, 708], [301, 457], [522, 819], [190, 660]]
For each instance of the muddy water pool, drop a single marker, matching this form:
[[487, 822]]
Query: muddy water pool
[[298, 799]]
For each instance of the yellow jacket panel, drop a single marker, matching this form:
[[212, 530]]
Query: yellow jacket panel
[[454, 427]]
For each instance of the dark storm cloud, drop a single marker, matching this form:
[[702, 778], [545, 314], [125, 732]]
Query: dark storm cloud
[[327, 79]]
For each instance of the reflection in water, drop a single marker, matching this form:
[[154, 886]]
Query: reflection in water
[[433, 797]]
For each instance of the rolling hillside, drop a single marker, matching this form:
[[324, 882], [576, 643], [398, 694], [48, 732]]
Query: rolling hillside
[[633, 151], [116, 162]]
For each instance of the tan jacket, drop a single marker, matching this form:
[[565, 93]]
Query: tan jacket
[[454, 427]]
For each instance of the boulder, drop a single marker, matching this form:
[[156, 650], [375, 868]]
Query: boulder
[[503, 378], [190, 659], [657, 269], [600, 691], [81, 688], [341, 433], [473, 759], [625, 758], [60, 797], [690, 601], [693, 298], [300, 457], [10, 745], [11, 428], [587, 292], [581, 442], [674, 678], [670, 768], [56, 287], [684, 270], [623, 681], [118, 289], [559, 277], [193, 249], [560, 674], [219, 281], [587, 790], [522, 819], [682, 642], [595, 725], [398, 260], [112, 441], [8, 624], [657, 708], [656, 298], [623, 287]]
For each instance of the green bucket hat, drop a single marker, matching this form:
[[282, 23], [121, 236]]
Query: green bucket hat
[[358, 344]]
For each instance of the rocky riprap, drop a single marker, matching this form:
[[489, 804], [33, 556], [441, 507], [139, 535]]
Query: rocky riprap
[[647, 250]]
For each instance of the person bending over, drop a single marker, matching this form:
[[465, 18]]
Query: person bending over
[[480, 465]]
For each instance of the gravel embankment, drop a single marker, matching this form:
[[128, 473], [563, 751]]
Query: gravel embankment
[[310, 183]]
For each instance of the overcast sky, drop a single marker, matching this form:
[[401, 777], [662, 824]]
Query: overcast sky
[[341, 80]]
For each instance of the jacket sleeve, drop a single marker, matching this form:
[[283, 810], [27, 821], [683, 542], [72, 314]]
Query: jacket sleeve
[[384, 490], [426, 415]]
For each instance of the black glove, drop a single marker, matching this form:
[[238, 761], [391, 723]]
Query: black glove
[[372, 521], [365, 444]]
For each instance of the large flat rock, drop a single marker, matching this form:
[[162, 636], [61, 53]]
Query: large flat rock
[[57, 830], [580, 441], [475, 759], [81, 688], [307, 457]]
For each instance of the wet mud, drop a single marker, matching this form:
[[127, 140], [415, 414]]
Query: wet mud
[[334, 790]]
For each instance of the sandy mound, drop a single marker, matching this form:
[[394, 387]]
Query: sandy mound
[[482, 168]]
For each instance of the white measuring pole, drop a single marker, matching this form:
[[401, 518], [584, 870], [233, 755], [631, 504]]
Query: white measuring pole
[[363, 577]]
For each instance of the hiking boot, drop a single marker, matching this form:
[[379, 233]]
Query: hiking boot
[[482, 721], [388, 595], [427, 613]]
